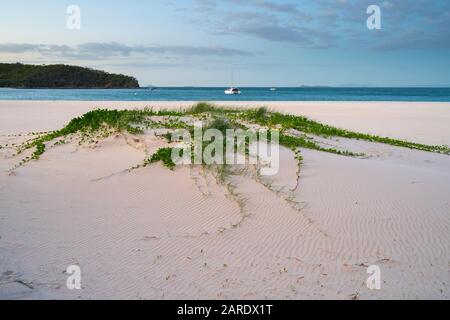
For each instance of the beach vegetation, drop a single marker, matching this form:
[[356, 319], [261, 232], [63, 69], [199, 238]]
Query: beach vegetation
[[308, 126], [101, 123], [207, 107], [163, 155]]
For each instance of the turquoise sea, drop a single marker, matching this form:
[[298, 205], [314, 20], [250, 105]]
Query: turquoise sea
[[217, 94]]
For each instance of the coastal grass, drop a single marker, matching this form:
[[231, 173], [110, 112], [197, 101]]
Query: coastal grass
[[305, 125], [165, 156], [295, 133], [98, 121], [104, 122], [294, 143], [206, 107]]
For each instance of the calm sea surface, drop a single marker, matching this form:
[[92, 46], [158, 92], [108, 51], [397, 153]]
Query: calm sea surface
[[217, 94]]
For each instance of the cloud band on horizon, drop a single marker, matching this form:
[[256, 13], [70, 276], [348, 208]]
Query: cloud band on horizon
[[103, 50]]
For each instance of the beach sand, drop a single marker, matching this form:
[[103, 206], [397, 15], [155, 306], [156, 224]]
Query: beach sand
[[160, 234]]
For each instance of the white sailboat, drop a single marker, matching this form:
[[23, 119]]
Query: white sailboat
[[232, 89]]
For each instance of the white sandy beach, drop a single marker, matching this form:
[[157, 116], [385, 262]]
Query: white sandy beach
[[158, 234]]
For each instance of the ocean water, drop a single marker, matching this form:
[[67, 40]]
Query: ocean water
[[217, 94]]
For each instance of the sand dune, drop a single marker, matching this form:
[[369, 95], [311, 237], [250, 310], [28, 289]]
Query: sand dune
[[151, 233]]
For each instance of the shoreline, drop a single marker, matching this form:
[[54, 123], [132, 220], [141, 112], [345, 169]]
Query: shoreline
[[237, 101]]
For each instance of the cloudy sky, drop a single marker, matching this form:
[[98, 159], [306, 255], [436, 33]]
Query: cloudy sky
[[265, 42]]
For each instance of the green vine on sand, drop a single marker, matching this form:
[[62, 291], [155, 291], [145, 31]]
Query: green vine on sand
[[165, 156], [101, 123]]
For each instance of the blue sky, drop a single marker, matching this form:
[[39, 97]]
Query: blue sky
[[265, 42]]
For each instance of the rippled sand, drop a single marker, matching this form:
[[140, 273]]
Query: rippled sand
[[158, 234]]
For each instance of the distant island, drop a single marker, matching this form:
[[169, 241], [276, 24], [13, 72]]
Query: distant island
[[23, 76]]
